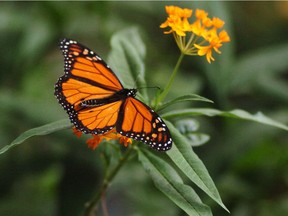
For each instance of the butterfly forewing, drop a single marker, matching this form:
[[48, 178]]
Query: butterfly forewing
[[87, 66], [76, 91], [86, 76]]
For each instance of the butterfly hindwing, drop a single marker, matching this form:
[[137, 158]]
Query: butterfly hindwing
[[98, 119], [141, 123]]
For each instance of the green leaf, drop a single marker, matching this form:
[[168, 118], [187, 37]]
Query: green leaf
[[169, 182], [188, 128], [190, 97], [127, 59], [187, 125], [237, 113], [43, 130], [189, 163], [197, 139]]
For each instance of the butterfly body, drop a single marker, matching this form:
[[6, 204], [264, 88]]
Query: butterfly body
[[120, 95], [96, 101]]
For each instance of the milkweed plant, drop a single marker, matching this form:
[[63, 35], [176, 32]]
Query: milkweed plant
[[195, 34]]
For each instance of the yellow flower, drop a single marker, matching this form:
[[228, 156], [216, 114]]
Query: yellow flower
[[207, 50], [223, 36], [215, 43], [177, 20], [110, 135], [200, 37], [174, 10], [201, 14], [217, 22]]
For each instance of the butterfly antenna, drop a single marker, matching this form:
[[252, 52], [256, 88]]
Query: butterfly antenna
[[149, 87]]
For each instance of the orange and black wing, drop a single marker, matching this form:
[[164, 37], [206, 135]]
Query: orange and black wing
[[140, 122], [87, 77]]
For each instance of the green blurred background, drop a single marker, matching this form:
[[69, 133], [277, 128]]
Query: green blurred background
[[56, 174]]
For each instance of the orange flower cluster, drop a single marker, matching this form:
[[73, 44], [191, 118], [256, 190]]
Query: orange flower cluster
[[97, 139], [203, 32]]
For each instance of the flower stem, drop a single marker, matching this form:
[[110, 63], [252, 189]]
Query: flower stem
[[164, 93], [91, 206]]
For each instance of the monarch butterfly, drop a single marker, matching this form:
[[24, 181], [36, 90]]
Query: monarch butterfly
[[96, 101]]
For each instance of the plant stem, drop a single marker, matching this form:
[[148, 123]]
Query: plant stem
[[91, 206], [172, 77]]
